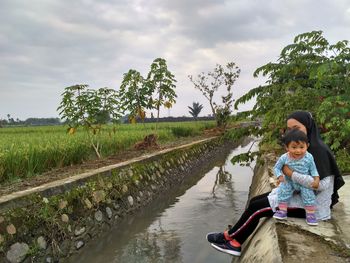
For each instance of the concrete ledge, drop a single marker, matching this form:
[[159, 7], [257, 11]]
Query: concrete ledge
[[263, 245], [293, 240]]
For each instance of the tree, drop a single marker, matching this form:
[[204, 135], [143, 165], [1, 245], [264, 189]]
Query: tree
[[81, 106], [312, 75], [161, 82], [195, 109], [134, 95], [209, 83]]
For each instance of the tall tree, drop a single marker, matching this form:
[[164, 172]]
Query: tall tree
[[195, 109], [209, 83], [81, 106], [135, 95], [161, 82], [310, 74]]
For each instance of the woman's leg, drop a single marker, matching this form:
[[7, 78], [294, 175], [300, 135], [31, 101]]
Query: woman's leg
[[258, 207], [230, 241]]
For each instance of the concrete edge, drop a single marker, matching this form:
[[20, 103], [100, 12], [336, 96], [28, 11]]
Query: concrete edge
[[278, 241], [66, 183], [263, 245]]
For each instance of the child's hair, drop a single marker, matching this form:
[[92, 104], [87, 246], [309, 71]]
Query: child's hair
[[294, 135]]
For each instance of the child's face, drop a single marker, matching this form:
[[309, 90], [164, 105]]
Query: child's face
[[297, 150]]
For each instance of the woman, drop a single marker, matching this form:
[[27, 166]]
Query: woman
[[264, 205]]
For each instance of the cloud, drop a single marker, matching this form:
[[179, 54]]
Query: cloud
[[48, 45]]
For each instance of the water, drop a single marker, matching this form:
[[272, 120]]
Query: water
[[173, 229]]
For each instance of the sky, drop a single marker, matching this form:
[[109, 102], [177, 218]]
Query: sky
[[47, 45]]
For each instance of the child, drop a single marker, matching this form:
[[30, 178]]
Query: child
[[301, 161]]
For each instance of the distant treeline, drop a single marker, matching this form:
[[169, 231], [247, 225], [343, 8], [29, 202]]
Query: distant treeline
[[57, 121], [171, 119], [30, 122]]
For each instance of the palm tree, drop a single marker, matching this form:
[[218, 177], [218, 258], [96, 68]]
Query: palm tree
[[195, 109]]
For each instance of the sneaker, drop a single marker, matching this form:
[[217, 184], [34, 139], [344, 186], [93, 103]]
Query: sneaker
[[219, 237], [216, 237], [280, 214], [230, 247], [311, 219]]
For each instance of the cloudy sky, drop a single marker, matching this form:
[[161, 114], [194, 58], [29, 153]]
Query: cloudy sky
[[47, 45]]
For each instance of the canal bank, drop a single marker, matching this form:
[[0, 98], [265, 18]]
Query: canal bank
[[52, 221], [173, 227], [293, 240]]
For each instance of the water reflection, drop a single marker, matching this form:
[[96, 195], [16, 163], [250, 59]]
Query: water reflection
[[173, 229], [222, 177], [164, 246]]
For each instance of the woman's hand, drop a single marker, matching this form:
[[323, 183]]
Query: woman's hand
[[316, 182], [287, 171]]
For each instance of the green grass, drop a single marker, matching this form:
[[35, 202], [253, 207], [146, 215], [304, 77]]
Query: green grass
[[28, 151]]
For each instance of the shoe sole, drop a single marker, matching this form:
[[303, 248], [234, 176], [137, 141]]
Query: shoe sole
[[312, 224], [280, 218], [232, 253]]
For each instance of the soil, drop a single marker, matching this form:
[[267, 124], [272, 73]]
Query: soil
[[64, 172]]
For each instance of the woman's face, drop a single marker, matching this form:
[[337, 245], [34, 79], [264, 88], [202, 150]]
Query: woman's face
[[294, 124]]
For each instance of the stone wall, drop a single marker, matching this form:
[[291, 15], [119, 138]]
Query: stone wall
[[50, 223]]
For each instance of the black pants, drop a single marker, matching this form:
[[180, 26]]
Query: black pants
[[258, 207]]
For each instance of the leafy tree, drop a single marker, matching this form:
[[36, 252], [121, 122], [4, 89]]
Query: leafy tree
[[161, 82], [195, 109], [81, 106], [310, 74], [209, 83], [135, 95]]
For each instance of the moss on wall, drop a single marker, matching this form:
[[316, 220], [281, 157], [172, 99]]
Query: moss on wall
[[54, 225]]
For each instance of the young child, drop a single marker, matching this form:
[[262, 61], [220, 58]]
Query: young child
[[301, 161]]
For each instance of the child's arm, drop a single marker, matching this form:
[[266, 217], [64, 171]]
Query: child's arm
[[278, 168]]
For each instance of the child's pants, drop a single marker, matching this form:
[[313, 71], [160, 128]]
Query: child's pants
[[286, 189]]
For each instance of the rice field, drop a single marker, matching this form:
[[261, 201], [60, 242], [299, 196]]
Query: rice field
[[29, 151]]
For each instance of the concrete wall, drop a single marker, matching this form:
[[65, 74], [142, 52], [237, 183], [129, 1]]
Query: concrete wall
[[263, 245], [52, 221]]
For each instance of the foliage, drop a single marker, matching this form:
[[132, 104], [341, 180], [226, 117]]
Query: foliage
[[162, 82], [81, 106], [238, 134], [135, 95], [310, 74], [195, 109], [210, 82]]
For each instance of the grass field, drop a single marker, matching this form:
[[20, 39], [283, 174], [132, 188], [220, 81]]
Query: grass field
[[28, 151]]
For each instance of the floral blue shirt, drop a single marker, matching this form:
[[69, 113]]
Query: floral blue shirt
[[304, 165]]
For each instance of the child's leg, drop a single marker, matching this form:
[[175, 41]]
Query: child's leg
[[308, 197], [285, 191]]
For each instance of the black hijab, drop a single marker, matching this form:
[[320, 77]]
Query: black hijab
[[323, 156]]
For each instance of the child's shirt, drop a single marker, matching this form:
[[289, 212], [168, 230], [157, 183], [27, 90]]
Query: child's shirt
[[305, 165]]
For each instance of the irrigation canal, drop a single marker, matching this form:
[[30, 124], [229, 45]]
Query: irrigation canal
[[173, 228]]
